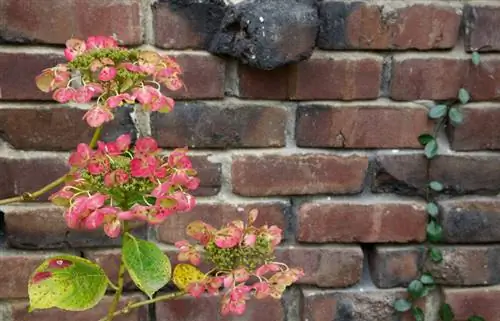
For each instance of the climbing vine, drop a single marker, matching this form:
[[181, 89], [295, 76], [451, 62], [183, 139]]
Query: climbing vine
[[447, 113]]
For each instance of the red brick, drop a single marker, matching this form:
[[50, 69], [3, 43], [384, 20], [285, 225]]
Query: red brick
[[53, 21], [467, 173], [467, 265], [17, 79], [471, 220], [209, 175], [208, 308], [324, 266], [36, 226], [203, 75], [433, 77], [481, 32], [479, 130], [362, 25], [392, 266], [361, 125], [207, 125], [350, 304], [20, 311], [173, 229], [16, 269], [29, 172], [263, 84], [360, 77], [483, 81], [361, 221], [481, 301]]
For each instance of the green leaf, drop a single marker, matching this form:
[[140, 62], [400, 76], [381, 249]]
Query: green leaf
[[427, 279], [445, 313], [475, 318], [437, 111], [432, 209], [418, 314], [67, 282], [456, 116], [402, 305], [431, 149], [463, 96], [416, 288], [434, 231], [436, 255], [424, 139], [476, 58], [436, 186], [147, 265], [428, 289]]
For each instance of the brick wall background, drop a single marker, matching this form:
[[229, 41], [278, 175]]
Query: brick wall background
[[326, 148]]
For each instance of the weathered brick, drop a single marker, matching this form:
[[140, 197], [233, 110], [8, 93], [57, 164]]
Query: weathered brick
[[467, 173], [298, 174], [392, 266], [350, 304], [36, 226], [381, 124], [20, 311], [203, 75], [206, 125], [470, 220], [479, 130], [483, 81], [29, 172], [395, 25], [481, 32], [433, 77], [325, 266], [16, 269], [208, 308], [263, 84], [55, 127], [361, 221], [174, 228], [209, 175], [481, 301], [54, 21], [467, 265], [400, 173], [361, 77], [17, 79], [185, 24], [109, 260]]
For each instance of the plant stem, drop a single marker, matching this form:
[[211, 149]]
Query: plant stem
[[127, 309], [121, 274], [25, 197]]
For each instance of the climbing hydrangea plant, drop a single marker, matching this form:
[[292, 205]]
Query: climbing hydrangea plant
[[118, 185]]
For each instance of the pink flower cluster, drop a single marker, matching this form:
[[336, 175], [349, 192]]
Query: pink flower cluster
[[269, 279], [117, 77], [116, 183]]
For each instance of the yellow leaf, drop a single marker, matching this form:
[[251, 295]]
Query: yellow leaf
[[185, 274]]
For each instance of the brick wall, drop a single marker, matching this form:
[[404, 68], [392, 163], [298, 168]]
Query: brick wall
[[326, 148]]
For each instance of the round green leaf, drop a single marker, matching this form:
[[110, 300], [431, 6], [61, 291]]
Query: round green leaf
[[147, 265], [476, 58], [67, 282], [427, 279], [436, 255], [418, 314], [437, 111], [434, 231], [463, 96], [446, 313], [456, 116], [402, 305], [431, 149], [425, 138], [436, 186], [432, 209], [475, 318], [416, 288]]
